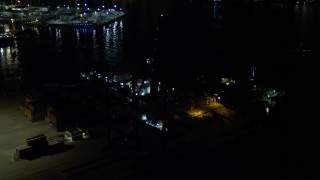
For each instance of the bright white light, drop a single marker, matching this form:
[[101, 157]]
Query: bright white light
[[159, 124], [83, 75], [144, 117], [148, 90]]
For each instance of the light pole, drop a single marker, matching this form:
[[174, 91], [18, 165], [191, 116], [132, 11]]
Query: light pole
[[13, 27]]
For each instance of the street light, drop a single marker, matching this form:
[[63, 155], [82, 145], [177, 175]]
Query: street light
[[13, 27]]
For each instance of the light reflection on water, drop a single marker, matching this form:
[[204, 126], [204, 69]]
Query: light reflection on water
[[9, 62], [60, 52], [51, 54], [100, 44], [213, 28]]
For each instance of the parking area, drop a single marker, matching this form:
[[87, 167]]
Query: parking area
[[15, 129]]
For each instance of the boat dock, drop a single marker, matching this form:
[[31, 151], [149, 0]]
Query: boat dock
[[96, 19], [73, 17]]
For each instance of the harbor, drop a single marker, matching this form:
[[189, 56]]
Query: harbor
[[212, 91], [86, 19], [61, 16]]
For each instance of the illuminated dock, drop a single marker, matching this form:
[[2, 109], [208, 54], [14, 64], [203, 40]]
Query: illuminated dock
[[62, 16], [87, 19]]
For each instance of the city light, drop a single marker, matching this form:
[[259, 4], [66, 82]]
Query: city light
[[13, 26]]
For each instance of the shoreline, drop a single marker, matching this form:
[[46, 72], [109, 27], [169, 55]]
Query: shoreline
[[92, 22], [70, 18]]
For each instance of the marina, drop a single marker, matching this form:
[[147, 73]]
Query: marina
[[64, 16], [85, 20]]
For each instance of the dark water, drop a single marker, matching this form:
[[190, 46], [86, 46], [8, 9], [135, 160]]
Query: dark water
[[201, 38]]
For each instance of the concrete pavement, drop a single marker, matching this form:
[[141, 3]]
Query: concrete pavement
[[88, 158], [15, 128]]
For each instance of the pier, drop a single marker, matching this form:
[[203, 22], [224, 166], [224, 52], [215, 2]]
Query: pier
[[73, 17], [85, 20]]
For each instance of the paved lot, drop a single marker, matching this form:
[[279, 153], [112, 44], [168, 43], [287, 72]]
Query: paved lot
[[89, 158], [78, 160], [15, 128]]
